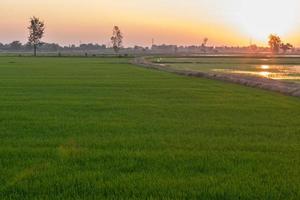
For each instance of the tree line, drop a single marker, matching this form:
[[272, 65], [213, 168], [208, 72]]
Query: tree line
[[17, 46], [37, 29], [36, 33]]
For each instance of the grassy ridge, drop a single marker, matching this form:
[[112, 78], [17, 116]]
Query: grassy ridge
[[74, 128]]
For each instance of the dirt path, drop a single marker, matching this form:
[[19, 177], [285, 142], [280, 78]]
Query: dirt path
[[292, 89]]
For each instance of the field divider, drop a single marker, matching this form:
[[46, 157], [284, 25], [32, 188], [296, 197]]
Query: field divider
[[291, 89]]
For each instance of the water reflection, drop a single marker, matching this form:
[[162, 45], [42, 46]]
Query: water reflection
[[278, 72], [265, 67], [265, 74]]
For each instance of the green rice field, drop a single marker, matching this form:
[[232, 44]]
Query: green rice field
[[101, 128]]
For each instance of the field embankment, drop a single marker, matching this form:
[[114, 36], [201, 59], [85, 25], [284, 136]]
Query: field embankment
[[288, 88]]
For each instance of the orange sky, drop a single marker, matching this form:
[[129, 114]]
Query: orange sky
[[224, 22]]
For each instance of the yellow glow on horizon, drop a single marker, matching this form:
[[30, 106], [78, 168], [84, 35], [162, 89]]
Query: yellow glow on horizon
[[260, 18], [230, 22]]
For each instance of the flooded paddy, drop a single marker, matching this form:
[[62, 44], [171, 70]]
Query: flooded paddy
[[284, 69], [277, 72]]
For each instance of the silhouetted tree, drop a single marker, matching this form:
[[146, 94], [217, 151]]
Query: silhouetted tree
[[253, 47], [274, 43], [27, 47], [36, 32], [52, 47], [286, 47], [204, 43], [117, 39], [15, 45]]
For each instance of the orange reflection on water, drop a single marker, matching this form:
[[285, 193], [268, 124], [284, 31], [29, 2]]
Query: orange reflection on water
[[264, 74], [265, 67]]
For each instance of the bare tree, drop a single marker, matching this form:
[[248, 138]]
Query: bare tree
[[117, 39], [36, 32], [274, 43]]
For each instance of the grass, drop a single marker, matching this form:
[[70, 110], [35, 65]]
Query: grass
[[90, 128]]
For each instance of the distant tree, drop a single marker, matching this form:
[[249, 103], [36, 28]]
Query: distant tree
[[253, 47], [117, 39], [204, 43], [27, 47], [36, 32], [286, 47], [274, 43], [15, 45], [50, 47]]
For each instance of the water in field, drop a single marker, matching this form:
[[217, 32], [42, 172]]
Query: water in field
[[278, 72], [287, 69]]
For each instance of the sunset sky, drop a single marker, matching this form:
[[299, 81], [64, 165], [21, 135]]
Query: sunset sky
[[224, 22]]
